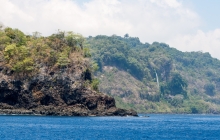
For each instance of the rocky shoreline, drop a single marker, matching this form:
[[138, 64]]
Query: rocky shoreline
[[52, 113], [120, 112], [101, 105], [55, 95]]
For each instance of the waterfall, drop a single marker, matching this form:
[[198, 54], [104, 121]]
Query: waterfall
[[158, 84]]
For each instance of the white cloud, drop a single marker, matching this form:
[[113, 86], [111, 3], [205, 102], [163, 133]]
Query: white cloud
[[10, 12], [166, 21], [167, 3], [143, 18], [200, 41]]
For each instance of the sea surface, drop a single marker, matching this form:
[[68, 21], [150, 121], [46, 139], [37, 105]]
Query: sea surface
[[155, 127]]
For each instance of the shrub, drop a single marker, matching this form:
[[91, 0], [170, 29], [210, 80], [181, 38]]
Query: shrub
[[95, 84]]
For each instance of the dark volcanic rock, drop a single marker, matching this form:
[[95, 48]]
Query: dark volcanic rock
[[61, 93]]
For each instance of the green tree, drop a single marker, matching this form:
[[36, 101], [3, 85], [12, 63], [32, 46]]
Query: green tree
[[9, 51], [86, 52], [24, 66], [4, 40], [74, 40], [95, 84], [126, 35], [177, 85], [63, 60], [16, 36], [210, 89]]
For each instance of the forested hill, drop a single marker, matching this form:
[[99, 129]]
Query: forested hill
[[50, 76], [155, 77], [146, 77]]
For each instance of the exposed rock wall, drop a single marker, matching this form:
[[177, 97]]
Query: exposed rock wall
[[60, 92]]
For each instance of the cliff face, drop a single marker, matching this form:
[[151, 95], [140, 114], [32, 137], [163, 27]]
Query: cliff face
[[50, 76], [61, 92]]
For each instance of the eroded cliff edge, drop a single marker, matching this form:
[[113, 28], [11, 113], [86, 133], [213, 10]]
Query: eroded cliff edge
[[50, 76]]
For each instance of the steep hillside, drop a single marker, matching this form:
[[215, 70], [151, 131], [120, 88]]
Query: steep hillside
[[155, 77], [50, 76]]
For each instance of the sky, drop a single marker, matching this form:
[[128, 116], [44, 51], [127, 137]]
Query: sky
[[187, 25]]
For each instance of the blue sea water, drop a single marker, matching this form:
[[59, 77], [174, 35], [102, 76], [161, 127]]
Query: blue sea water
[[155, 127]]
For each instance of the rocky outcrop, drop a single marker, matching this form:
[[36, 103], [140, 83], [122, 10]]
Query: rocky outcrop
[[55, 92]]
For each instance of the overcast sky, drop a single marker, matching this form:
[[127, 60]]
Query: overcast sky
[[188, 25]]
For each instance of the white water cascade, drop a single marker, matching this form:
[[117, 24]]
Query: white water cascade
[[158, 84]]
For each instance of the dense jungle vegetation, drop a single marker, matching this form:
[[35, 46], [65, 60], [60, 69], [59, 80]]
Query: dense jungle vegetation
[[155, 77]]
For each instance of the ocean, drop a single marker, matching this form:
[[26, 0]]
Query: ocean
[[155, 127]]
